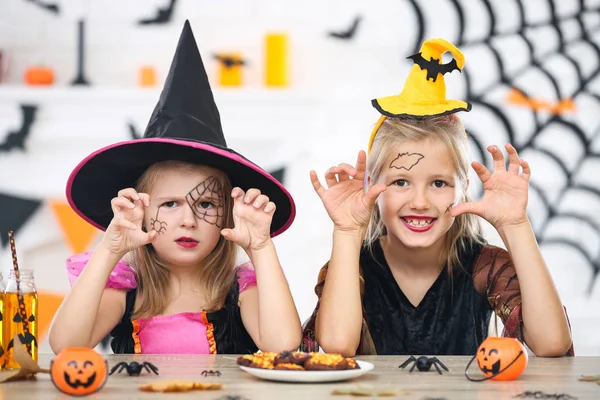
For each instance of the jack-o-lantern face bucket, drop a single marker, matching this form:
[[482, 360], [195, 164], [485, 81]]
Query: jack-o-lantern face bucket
[[78, 371], [502, 359]]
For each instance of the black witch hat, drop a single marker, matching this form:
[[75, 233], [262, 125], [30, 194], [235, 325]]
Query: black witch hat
[[184, 126]]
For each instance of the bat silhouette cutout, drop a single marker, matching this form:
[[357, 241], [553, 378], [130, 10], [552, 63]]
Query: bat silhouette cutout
[[350, 32], [133, 132], [16, 139], [52, 7], [26, 338], [406, 160], [229, 61], [433, 66], [163, 15]]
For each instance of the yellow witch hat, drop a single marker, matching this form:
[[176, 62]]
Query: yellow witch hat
[[424, 92]]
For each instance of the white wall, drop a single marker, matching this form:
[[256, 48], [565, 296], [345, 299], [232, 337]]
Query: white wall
[[322, 119]]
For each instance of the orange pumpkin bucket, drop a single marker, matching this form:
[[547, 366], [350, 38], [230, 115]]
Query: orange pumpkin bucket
[[78, 371], [501, 359]]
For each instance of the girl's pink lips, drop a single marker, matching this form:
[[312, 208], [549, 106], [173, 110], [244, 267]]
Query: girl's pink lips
[[419, 229], [186, 242]]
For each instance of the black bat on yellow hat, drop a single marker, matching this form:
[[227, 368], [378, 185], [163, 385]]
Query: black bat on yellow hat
[[433, 66], [229, 61]]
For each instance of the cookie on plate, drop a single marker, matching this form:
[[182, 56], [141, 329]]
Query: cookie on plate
[[289, 367], [325, 362], [289, 357], [257, 360]]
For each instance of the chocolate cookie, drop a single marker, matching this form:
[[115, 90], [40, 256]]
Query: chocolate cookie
[[288, 357]]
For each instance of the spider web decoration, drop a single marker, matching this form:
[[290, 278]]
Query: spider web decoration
[[548, 49]]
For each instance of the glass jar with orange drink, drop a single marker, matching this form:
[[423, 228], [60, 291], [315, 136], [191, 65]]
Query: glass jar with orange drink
[[20, 313], [2, 287]]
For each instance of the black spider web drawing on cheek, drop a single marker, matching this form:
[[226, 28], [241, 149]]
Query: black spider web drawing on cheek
[[206, 201], [548, 50], [159, 226]]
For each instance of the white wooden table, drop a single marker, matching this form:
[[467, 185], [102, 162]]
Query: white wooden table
[[550, 375]]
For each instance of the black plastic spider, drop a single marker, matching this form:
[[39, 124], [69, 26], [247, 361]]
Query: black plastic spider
[[211, 373], [134, 368], [423, 364]]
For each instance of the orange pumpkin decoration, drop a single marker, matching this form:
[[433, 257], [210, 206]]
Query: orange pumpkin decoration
[[502, 359], [78, 371], [39, 75]]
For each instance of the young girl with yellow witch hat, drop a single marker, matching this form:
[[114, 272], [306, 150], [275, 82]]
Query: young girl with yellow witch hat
[[409, 266]]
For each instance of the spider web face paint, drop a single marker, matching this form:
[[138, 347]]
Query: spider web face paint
[[159, 226], [207, 202]]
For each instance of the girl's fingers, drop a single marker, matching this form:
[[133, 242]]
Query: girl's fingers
[[237, 192], [361, 165], [129, 193], [330, 178], [270, 207], [125, 224], [251, 195], [498, 158], [260, 201], [314, 179], [119, 204], [526, 169], [482, 172], [374, 192], [145, 197], [513, 159]]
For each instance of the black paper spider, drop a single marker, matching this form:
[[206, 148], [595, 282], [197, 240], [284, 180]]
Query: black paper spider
[[211, 373], [423, 364], [134, 368]]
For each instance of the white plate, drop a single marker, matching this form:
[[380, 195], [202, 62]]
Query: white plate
[[309, 376]]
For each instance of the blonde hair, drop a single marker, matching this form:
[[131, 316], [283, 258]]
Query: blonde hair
[[450, 131], [153, 276]]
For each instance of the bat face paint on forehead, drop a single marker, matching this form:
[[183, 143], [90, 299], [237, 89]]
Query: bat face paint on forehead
[[207, 202], [406, 160]]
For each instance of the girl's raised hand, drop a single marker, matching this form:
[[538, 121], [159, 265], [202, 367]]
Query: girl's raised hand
[[252, 216], [125, 231], [504, 201], [345, 200]]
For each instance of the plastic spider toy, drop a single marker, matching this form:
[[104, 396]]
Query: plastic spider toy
[[423, 364], [134, 368], [211, 373]]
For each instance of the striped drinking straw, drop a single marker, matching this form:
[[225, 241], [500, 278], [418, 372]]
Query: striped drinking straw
[[22, 310]]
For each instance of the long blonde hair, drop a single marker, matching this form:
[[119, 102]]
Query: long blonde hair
[[153, 276], [450, 131]]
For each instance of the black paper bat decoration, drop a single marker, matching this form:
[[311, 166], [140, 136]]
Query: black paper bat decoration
[[350, 32], [229, 61], [433, 66], [133, 132], [163, 15], [17, 138], [52, 7], [406, 160]]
